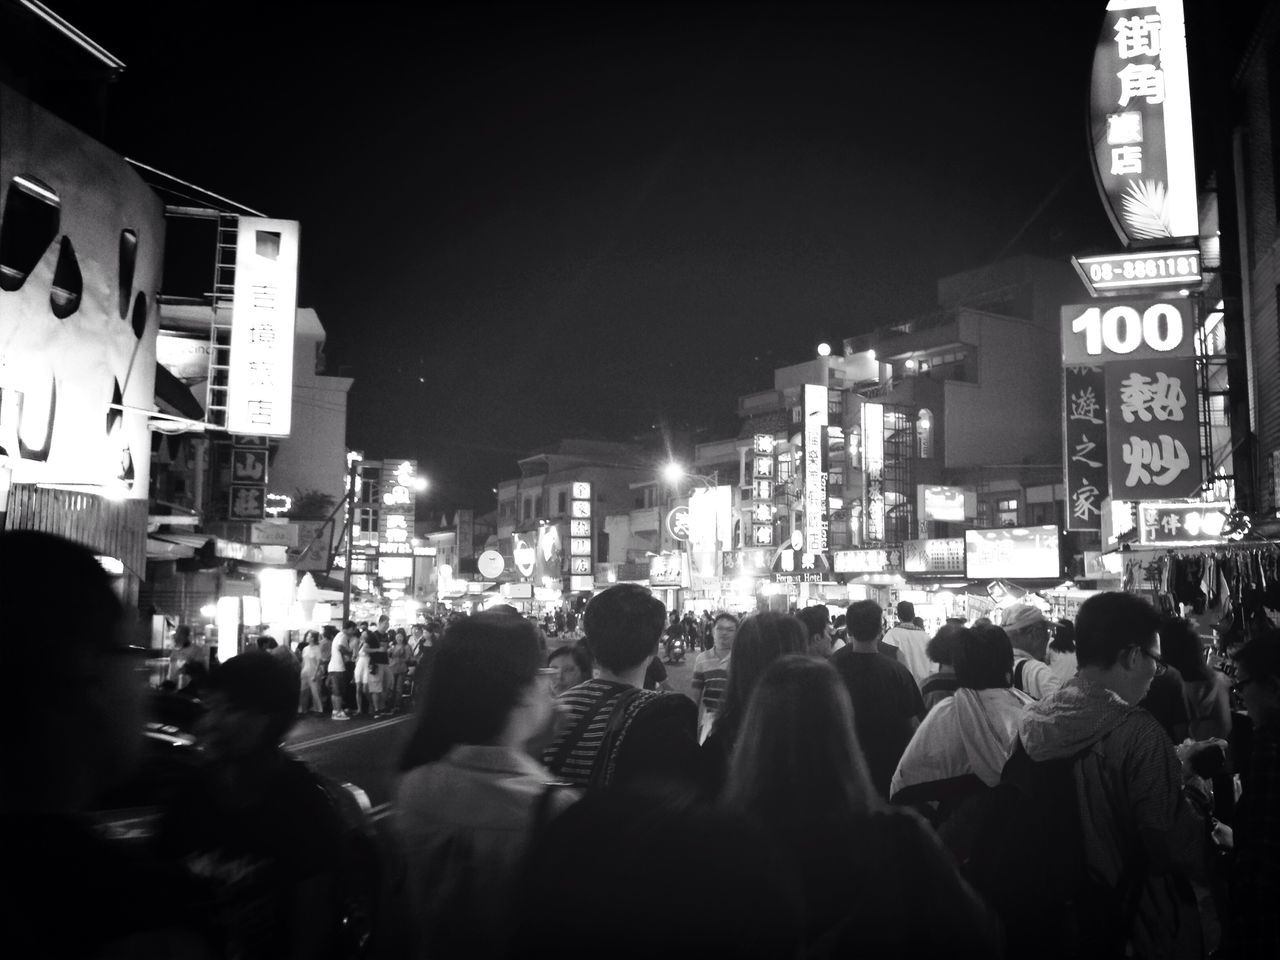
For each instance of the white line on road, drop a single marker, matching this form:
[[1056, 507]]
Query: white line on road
[[349, 732]]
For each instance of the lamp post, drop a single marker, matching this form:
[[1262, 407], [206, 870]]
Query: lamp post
[[353, 460]]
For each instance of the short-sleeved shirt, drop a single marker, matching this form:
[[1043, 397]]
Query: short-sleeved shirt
[[911, 642], [711, 677], [340, 654], [885, 701]]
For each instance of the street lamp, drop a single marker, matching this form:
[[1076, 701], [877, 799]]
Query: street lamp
[[824, 349], [674, 472]]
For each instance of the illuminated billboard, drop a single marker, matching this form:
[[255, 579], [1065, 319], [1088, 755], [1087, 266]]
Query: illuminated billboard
[[1025, 553], [265, 300], [946, 504], [815, 468]]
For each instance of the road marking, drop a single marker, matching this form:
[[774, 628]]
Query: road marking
[[349, 732]]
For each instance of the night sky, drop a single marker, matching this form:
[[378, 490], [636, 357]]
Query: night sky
[[532, 221]]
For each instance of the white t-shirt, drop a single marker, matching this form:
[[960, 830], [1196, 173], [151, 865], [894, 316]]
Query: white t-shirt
[[336, 663], [911, 641]]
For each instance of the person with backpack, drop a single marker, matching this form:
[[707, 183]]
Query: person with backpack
[[1030, 632], [1090, 841], [615, 732]]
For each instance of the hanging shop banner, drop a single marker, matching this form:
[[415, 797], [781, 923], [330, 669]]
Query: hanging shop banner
[[668, 570], [873, 507], [1140, 122], [944, 555], [1084, 435], [1182, 524], [264, 304], [1127, 330], [815, 470], [1153, 429], [737, 563], [792, 566]]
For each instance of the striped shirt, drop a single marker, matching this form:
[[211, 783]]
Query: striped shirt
[[711, 677], [596, 698]]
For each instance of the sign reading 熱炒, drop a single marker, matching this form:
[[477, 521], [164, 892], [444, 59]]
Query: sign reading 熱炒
[[1153, 429]]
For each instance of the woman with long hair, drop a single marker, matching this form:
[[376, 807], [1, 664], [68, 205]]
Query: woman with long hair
[[864, 869], [762, 638], [470, 794], [1206, 691]]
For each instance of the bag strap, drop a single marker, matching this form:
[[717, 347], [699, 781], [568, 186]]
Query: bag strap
[[579, 728], [612, 734], [1019, 669]]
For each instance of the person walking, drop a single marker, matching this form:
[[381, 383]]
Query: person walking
[[339, 660], [397, 670], [711, 672], [469, 796], [309, 674], [910, 641]]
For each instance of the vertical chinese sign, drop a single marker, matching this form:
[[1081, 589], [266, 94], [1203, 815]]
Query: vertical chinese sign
[[1085, 438], [1140, 121], [763, 469], [248, 478], [581, 576], [1153, 429], [265, 299], [815, 470]]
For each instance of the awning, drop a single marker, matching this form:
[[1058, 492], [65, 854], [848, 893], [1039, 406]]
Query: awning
[[164, 545], [173, 393]]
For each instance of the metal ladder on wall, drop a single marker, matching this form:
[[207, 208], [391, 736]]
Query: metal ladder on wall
[[224, 278]]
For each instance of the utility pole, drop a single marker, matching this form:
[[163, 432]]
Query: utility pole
[[353, 460]]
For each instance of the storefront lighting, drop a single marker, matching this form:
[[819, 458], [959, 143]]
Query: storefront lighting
[[209, 611], [909, 363]]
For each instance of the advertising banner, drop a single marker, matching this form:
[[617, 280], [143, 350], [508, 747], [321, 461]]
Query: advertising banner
[[1181, 524], [815, 470], [1153, 430], [944, 555], [264, 304], [1084, 435], [1025, 553], [1140, 121]]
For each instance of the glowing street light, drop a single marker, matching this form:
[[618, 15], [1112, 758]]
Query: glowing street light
[[420, 483], [673, 472], [824, 349]]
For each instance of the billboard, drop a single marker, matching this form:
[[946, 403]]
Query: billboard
[[81, 251], [1153, 429], [815, 468], [1140, 122], [265, 300], [1084, 436], [1127, 330], [946, 504], [945, 555], [1025, 553], [1182, 524]]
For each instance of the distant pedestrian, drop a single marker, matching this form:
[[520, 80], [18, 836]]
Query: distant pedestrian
[[338, 663], [817, 622], [711, 672], [1030, 631], [309, 675], [910, 640], [572, 664]]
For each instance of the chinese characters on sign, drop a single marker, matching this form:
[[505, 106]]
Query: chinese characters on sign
[[763, 468], [944, 555], [1085, 435], [1181, 523], [580, 570], [1153, 431], [1140, 116], [248, 478], [260, 380], [815, 468]]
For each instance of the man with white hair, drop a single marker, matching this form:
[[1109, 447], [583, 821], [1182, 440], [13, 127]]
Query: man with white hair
[[1029, 632]]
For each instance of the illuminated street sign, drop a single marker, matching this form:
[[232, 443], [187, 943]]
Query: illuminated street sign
[[1127, 273]]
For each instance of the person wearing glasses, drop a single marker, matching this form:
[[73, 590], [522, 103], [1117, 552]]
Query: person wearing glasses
[[1030, 633], [1143, 836]]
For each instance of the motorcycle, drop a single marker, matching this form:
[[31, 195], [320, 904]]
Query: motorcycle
[[675, 648]]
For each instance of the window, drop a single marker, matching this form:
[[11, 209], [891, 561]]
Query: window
[[835, 477], [924, 434], [562, 503], [835, 405], [1007, 513], [797, 414], [528, 508]]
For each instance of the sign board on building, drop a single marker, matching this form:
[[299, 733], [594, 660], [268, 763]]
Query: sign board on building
[[582, 583], [678, 524], [945, 555], [1028, 553], [1084, 436], [946, 504], [861, 561], [736, 563], [815, 467], [667, 570], [1153, 429], [1140, 122], [490, 564], [1174, 524], [1115, 274], [265, 301], [1127, 330], [873, 472]]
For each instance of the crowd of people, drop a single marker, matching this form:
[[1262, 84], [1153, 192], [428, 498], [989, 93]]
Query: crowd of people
[[1029, 789]]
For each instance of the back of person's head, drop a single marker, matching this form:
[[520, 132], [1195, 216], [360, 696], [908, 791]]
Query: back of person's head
[[762, 639], [1182, 649], [260, 685], [816, 619], [941, 648], [482, 667], [865, 620], [906, 611], [1108, 623], [796, 756], [349, 626], [597, 859], [1064, 636], [983, 657], [623, 625], [1259, 657], [330, 631], [503, 609], [87, 723], [182, 636]]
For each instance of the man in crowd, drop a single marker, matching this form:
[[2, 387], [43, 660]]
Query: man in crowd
[[1029, 632], [887, 706], [910, 641], [339, 658], [1142, 836], [614, 732], [711, 672], [817, 623]]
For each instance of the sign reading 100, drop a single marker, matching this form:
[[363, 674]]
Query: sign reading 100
[[1133, 330]]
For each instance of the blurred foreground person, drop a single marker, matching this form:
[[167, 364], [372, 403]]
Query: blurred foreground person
[[470, 796], [864, 869], [255, 824], [762, 638], [75, 894], [1254, 930], [602, 882], [615, 732], [1095, 789], [960, 749]]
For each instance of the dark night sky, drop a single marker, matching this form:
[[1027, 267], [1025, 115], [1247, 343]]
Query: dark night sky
[[531, 221]]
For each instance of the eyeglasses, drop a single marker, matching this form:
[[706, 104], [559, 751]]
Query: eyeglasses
[[1161, 666]]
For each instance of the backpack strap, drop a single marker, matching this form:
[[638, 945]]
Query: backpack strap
[[1019, 668], [602, 766]]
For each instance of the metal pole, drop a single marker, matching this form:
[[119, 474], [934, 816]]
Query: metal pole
[[351, 531]]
